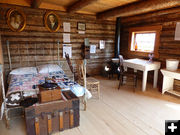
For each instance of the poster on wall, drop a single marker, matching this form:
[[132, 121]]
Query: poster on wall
[[81, 32], [67, 27], [86, 41], [101, 44], [177, 31], [67, 48], [92, 48], [66, 38]]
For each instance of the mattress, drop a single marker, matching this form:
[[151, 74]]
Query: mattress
[[22, 86]]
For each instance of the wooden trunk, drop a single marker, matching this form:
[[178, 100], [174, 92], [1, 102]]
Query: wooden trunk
[[47, 118], [49, 95]]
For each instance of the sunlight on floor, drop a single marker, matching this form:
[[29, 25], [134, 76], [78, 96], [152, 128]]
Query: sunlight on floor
[[173, 106]]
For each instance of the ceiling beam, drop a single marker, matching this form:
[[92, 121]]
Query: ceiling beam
[[79, 5], [36, 3], [138, 8]]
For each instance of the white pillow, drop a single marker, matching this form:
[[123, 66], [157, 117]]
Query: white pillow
[[48, 68], [24, 70]]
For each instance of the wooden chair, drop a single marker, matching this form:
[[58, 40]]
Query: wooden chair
[[92, 84], [69, 63], [126, 76], [75, 78]]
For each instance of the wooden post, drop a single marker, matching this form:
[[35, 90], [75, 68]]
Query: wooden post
[[9, 55], [58, 52], [1, 52], [85, 102]]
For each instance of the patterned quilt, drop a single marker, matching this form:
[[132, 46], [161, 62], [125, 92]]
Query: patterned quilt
[[21, 86]]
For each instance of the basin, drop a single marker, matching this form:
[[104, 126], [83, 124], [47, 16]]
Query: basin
[[172, 64]]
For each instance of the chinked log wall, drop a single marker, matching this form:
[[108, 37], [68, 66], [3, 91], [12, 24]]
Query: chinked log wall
[[169, 48], [36, 37]]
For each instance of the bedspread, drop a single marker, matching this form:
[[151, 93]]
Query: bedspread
[[21, 86]]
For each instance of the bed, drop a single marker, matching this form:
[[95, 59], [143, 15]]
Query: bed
[[22, 86], [22, 83]]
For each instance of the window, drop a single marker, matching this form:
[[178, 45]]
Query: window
[[144, 40]]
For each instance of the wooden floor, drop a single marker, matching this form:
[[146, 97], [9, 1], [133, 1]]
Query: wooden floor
[[118, 112]]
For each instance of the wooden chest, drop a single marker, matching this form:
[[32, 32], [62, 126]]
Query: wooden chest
[[55, 116], [49, 95]]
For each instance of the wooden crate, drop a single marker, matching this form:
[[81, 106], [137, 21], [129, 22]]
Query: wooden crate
[[49, 95], [55, 116]]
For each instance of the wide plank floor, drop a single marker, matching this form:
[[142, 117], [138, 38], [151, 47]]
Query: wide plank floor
[[118, 112]]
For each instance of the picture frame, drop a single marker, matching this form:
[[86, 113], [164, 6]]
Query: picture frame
[[52, 21], [16, 20], [81, 26]]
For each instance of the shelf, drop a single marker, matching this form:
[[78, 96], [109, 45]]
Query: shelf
[[176, 93]]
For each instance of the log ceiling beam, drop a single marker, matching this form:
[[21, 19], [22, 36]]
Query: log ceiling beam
[[79, 5], [138, 8], [36, 3]]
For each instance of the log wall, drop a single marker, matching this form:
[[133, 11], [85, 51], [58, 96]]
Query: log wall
[[36, 42], [169, 48]]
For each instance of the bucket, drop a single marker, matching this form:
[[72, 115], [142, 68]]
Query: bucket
[[172, 64]]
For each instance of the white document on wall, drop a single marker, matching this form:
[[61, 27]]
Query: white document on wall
[[92, 48], [67, 48], [177, 31], [67, 27], [81, 32], [101, 44], [66, 38]]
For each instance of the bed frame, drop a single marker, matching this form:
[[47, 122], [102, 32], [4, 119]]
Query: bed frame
[[5, 109]]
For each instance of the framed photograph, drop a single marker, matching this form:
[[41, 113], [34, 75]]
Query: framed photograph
[[52, 21], [16, 20], [81, 26]]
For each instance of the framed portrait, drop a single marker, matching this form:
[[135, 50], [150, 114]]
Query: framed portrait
[[16, 20], [81, 26], [52, 21]]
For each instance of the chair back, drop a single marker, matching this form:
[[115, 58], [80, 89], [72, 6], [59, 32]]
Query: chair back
[[121, 59], [69, 62], [80, 71]]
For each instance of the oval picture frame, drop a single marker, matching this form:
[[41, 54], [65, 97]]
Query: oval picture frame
[[52, 21], [16, 20]]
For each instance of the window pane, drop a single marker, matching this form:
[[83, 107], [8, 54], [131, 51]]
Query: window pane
[[145, 42]]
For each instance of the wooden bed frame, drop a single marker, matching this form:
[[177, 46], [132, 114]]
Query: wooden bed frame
[[63, 65]]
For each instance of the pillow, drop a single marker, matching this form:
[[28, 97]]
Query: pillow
[[24, 70], [48, 68]]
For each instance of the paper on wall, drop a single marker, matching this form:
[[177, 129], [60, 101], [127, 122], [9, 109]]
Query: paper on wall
[[86, 41], [67, 27], [101, 44], [67, 48], [81, 32], [93, 49], [66, 38], [177, 31]]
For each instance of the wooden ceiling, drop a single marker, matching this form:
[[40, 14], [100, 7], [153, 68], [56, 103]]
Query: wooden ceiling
[[104, 9]]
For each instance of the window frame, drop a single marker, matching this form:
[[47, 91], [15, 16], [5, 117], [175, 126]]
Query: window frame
[[146, 29]]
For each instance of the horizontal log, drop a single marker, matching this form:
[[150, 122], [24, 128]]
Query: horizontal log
[[135, 18], [139, 8], [79, 5], [36, 45]]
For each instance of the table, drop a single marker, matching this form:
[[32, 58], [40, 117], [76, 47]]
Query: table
[[168, 79], [145, 66]]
